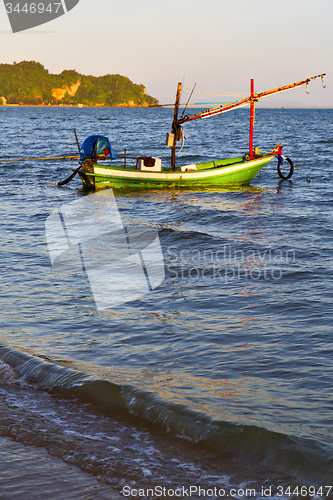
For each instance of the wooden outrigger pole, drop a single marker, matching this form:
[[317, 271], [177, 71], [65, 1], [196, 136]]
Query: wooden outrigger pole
[[244, 102], [71, 157], [254, 97]]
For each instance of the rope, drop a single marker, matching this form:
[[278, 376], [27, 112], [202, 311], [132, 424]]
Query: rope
[[188, 100], [313, 168], [183, 141], [206, 103], [300, 166], [214, 93]]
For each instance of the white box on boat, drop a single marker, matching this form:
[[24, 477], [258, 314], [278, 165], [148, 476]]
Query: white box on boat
[[149, 164], [188, 168]]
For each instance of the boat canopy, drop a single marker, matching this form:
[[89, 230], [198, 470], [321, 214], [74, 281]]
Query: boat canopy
[[96, 145]]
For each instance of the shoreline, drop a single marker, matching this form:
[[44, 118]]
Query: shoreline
[[141, 107], [69, 106]]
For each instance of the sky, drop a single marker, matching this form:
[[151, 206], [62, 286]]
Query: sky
[[219, 45]]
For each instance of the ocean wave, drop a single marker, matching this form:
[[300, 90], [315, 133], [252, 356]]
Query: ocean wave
[[301, 458]]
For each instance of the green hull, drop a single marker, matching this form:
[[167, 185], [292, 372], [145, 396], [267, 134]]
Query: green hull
[[230, 172]]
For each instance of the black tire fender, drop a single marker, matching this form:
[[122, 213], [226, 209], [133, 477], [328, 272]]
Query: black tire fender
[[291, 171]]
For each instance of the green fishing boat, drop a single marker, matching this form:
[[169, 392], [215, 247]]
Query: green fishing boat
[[235, 171], [148, 172]]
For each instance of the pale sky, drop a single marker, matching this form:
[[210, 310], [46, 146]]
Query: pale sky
[[217, 44]]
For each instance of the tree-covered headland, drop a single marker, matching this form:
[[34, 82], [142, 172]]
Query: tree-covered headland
[[29, 83]]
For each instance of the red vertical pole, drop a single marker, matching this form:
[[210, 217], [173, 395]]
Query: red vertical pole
[[252, 113]]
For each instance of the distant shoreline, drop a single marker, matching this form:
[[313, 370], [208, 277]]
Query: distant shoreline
[[70, 106], [28, 83], [141, 107]]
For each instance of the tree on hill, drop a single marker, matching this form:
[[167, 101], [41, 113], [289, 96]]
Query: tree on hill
[[28, 82]]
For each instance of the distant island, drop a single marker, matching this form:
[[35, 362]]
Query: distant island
[[29, 83]]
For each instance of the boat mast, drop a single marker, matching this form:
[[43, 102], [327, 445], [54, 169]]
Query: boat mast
[[252, 114], [175, 128]]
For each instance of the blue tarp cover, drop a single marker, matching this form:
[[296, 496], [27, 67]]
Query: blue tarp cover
[[96, 145]]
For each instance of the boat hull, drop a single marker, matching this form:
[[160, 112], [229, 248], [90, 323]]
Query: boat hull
[[231, 172]]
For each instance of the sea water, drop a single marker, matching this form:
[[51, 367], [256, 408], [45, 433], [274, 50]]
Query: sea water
[[215, 384]]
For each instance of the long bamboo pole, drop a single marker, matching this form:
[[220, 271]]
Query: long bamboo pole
[[244, 102], [72, 157]]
